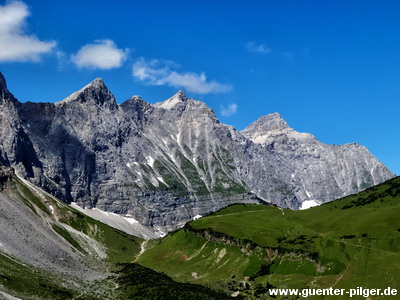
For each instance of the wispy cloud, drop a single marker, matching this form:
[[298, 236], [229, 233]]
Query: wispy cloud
[[102, 54], [15, 44], [158, 72], [254, 47], [229, 111]]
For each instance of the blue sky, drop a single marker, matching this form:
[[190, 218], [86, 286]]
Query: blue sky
[[331, 68]]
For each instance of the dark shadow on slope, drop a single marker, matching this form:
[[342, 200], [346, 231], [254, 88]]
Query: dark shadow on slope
[[138, 282]]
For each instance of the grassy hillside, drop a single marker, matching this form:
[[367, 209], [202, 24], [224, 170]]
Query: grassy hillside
[[244, 249]]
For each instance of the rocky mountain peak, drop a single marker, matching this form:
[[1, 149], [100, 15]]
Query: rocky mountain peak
[[97, 83], [271, 122], [135, 98], [132, 101], [4, 93], [136, 106], [265, 126], [3, 84], [179, 98], [273, 127], [95, 92], [180, 95]]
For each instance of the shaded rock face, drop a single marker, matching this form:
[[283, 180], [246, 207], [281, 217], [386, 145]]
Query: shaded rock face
[[169, 162], [6, 176], [16, 147]]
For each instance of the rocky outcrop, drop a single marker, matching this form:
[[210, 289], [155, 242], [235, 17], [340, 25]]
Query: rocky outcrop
[[169, 162], [6, 178]]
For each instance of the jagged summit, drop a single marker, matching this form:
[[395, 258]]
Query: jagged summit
[[98, 82], [135, 106], [135, 98], [270, 122], [96, 91], [179, 97], [267, 128], [3, 83], [3, 88], [5, 95]]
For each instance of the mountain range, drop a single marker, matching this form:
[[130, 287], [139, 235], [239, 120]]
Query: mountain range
[[165, 164]]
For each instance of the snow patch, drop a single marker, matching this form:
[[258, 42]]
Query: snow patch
[[125, 223], [309, 203], [159, 178], [131, 220], [178, 138], [197, 217], [159, 232], [51, 209], [150, 161]]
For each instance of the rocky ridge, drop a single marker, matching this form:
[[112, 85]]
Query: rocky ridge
[[166, 163]]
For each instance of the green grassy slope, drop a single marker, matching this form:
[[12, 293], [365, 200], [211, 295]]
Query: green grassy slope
[[352, 242]]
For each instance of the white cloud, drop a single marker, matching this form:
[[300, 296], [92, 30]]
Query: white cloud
[[229, 111], [156, 72], [102, 54], [254, 47], [15, 44]]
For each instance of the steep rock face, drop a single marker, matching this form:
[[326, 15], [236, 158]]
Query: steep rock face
[[166, 163], [77, 139], [16, 148]]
